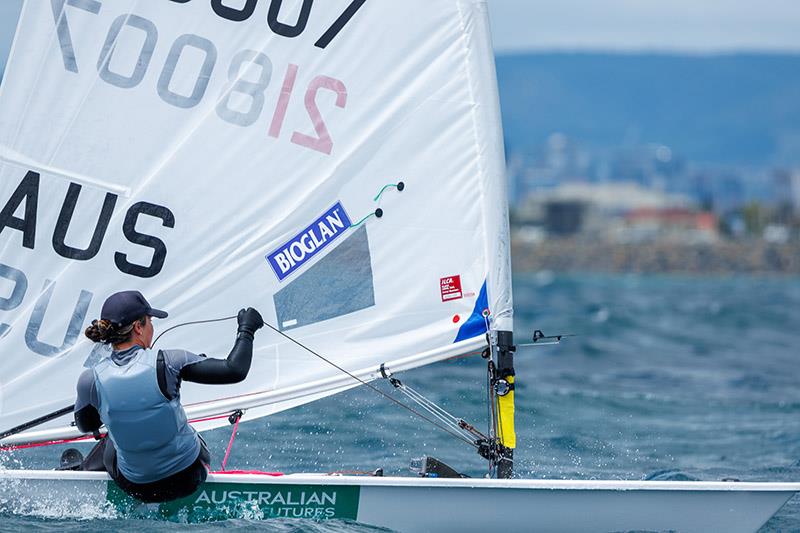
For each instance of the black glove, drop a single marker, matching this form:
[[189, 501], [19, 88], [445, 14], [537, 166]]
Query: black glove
[[250, 321]]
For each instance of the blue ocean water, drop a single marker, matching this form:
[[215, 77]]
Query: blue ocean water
[[670, 375]]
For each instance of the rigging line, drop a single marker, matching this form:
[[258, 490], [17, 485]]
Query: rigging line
[[492, 376], [491, 421], [489, 402], [361, 381], [493, 396], [191, 324], [429, 406], [411, 393], [373, 387], [452, 426], [454, 429], [489, 428], [439, 411]]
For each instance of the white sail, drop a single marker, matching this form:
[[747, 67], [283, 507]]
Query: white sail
[[217, 154]]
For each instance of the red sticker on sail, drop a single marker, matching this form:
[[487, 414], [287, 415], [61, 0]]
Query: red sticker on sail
[[451, 288]]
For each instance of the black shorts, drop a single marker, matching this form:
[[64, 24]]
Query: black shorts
[[178, 485]]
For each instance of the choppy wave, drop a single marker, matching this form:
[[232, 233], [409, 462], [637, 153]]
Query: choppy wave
[[689, 378]]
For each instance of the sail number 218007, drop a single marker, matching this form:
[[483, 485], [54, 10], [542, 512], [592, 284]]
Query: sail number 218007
[[249, 74]]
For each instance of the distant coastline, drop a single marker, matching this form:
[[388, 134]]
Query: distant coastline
[[725, 257]]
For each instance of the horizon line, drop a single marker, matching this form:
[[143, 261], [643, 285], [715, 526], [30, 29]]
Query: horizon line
[[665, 51]]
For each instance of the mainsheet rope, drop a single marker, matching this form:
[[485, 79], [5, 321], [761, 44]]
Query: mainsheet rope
[[309, 350], [331, 363]]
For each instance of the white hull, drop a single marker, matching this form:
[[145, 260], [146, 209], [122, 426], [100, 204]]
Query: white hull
[[416, 504]]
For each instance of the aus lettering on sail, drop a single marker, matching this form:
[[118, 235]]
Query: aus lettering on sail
[[298, 250]]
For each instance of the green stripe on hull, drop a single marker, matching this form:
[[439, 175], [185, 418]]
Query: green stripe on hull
[[220, 501]]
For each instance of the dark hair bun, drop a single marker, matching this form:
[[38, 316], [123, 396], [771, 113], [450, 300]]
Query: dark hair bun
[[108, 332], [99, 330]]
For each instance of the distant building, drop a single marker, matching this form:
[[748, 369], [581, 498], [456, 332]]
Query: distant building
[[560, 160], [599, 211], [545, 166], [671, 224], [563, 218], [776, 234], [615, 196], [795, 191]]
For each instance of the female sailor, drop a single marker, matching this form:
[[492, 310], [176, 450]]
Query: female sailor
[[151, 451]]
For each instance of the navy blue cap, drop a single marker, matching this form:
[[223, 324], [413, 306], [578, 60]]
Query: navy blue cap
[[128, 306]]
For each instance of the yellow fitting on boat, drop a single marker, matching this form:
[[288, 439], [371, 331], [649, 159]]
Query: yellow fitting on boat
[[505, 415]]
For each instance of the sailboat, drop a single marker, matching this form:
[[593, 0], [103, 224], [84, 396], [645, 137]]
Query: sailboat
[[339, 165]]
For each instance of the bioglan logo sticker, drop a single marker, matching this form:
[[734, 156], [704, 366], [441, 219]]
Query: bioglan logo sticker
[[293, 254], [451, 288]]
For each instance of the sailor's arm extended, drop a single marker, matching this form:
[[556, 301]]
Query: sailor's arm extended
[[87, 419], [235, 367]]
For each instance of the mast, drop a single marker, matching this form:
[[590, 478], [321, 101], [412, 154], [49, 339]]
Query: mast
[[504, 390], [489, 137]]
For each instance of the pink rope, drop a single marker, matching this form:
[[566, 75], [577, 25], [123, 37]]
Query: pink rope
[[197, 420], [230, 443], [12, 447], [249, 472], [224, 461]]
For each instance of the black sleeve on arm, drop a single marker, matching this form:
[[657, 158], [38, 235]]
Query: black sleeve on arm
[[88, 419], [223, 371]]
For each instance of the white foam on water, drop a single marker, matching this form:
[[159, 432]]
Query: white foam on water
[[45, 499]]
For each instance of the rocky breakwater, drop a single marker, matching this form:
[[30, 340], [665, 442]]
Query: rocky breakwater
[[724, 257]]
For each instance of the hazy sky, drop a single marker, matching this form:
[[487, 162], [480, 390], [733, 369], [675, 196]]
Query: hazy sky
[[684, 25], [698, 26]]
